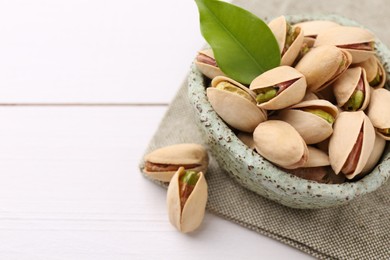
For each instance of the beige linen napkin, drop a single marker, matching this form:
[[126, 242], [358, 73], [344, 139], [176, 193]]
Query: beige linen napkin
[[359, 230]]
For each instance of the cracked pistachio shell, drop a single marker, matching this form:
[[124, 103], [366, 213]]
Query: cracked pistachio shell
[[278, 27], [316, 158], [311, 127], [290, 96], [373, 66], [189, 217], [344, 86], [379, 110], [379, 147], [345, 134], [165, 161], [321, 66], [280, 143], [313, 28], [237, 111], [208, 70], [346, 35]]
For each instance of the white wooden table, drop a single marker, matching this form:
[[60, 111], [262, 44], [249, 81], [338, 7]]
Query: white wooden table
[[83, 86]]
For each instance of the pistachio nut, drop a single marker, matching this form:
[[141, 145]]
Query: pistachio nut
[[379, 112], [289, 38], [279, 88], [310, 96], [247, 139], [313, 28], [280, 143], [312, 119], [352, 90], [379, 147], [235, 104], [316, 158], [358, 41], [321, 66], [351, 143], [161, 164], [205, 62], [375, 72], [321, 174], [186, 200]]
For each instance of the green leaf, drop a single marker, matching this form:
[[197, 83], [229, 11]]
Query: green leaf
[[243, 45]]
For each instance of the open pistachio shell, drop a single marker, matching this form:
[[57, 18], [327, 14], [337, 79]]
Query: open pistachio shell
[[190, 216], [358, 41], [291, 94], [280, 143], [316, 158], [161, 164], [323, 65], [379, 110], [209, 70], [351, 130], [236, 107], [345, 87], [313, 28], [312, 119], [279, 27], [379, 147], [375, 72]]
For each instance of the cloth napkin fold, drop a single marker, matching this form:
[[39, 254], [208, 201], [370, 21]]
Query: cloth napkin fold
[[359, 230]]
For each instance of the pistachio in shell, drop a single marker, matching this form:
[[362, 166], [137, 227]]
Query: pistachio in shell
[[206, 63], [358, 41], [379, 112], [321, 66], [375, 72], [279, 88], [313, 28], [235, 104], [352, 90], [289, 38], [351, 143], [280, 143], [161, 164], [312, 119], [379, 147], [186, 200]]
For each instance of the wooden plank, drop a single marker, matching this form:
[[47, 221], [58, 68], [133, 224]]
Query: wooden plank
[[95, 51], [70, 189]]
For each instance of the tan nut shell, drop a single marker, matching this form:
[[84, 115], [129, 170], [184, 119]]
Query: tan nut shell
[[280, 143], [313, 28], [310, 96], [207, 69], [346, 130], [345, 35], [290, 96], [379, 147], [312, 128], [190, 217], [321, 66], [180, 155], [235, 110], [344, 86], [379, 110], [279, 26], [371, 66], [247, 139], [316, 158]]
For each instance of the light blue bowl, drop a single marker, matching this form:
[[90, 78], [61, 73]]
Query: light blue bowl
[[259, 175]]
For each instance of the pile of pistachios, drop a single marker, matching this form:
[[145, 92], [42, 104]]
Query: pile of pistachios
[[323, 114], [182, 166]]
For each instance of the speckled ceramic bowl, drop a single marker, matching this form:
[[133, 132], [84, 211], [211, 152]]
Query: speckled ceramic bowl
[[259, 175]]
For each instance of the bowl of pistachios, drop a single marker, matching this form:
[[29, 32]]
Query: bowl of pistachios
[[296, 109]]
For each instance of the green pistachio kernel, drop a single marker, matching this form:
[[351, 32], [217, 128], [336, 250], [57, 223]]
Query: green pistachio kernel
[[190, 178], [291, 35], [385, 131], [376, 80], [321, 113], [227, 86], [266, 94], [355, 101]]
